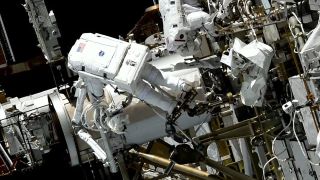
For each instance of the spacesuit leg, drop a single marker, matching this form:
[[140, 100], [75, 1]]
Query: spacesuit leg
[[146, 93], [154, 76], [97, 150], [79, 106]]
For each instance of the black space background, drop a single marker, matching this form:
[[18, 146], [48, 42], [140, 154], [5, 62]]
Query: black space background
[[74, 17]]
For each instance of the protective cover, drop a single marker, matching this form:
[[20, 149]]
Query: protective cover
[[253, 60], [98, 54], [174, 27], [257, 52], [131, 67]]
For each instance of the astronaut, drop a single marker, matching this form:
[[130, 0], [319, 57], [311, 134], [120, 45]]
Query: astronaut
[[182, 20], [101, 60], [252, 62]]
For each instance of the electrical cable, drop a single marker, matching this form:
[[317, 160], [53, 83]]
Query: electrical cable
[[299, 143], [292, 120], [83, 116], [264, 167], [274, 140], [185, 135], [301, 25], [200, 126], [84, 120], [101, 120], [83, 113]]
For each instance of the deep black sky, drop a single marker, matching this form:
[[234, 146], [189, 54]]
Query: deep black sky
[[74, 17]]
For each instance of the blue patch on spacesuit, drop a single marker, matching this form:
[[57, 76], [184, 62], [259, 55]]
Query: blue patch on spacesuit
[[101, 53]]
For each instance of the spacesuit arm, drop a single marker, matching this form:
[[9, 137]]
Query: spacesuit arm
[[181, 23], [80, 101]]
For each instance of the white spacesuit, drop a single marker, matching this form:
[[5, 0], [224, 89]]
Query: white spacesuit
[[101, 60], [181, 21], [252, 61]]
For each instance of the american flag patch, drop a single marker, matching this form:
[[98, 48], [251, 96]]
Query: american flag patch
[[81, 47]]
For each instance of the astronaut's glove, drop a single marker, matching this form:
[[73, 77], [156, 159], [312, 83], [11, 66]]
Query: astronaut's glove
[[183, 105]]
